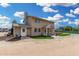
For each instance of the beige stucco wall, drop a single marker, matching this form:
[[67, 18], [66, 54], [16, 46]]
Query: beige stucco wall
[[25, 32], [16, 30], [34, 25]]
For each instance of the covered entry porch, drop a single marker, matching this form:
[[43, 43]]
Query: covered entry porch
[[48, 30], [21, 30]]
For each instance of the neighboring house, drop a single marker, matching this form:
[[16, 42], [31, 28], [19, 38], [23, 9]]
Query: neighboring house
[[33, 26], [4, 29]]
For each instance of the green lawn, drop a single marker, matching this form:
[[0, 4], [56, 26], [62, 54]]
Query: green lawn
[[42, 37], [64, 34], [72, 32]]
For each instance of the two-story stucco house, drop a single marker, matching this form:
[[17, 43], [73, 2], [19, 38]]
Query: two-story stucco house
[[33, 26]]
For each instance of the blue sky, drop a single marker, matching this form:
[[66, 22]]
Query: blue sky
[[62, 14]]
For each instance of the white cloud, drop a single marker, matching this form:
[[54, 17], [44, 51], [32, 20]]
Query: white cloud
[[76, 11], [48, 9], [70, 15], [54, 4], [65, 20], [44, 4], [71, 11], [58, 16], [70, 22], [5, 22], [76, 22], [19, 14], [66, 4], [4, 18], [4, 5], [57, 25], [21, 20], [55, 18]]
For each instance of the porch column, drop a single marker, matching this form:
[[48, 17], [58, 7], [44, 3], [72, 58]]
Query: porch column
[[46, 31]]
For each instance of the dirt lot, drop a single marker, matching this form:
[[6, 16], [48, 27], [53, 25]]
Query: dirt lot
[[68, 45]]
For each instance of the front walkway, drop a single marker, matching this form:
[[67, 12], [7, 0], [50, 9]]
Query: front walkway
[[68, 45]]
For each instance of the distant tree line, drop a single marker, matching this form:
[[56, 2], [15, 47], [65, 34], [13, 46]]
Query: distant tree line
[[67, 28]]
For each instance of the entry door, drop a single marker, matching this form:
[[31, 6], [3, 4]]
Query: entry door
[[48, 31], [23, 32]]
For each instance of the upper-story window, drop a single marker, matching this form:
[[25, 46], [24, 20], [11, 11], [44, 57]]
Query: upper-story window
[[37, 21]]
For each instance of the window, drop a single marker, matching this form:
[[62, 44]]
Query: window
[[37, 21], [23, 30], [35, 30], [39, 30], [45, 30]]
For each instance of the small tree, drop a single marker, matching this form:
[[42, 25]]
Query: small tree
[[14, 21], [67, 28]]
